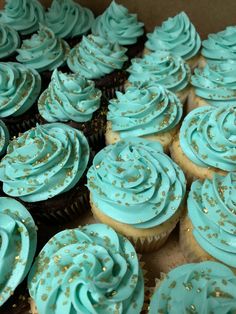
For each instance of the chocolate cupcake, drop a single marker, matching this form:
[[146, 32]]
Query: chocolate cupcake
[[69, 20], [100, 60], [44, 52], [23, 15], [9, 42], [74, 100], [44, 168], [19, 89], [4, 137], [119, 26]]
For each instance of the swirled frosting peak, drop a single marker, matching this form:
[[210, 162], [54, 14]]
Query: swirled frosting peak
[[206, 287], [208, 137], [216, 84], [19, 88], [68, 19], [161, 67], [88, 270], [17, 245], [118, 25], [95, 57], [144, 111], [4, 137], [220, 46], [23, 15], [135, 183], [212, 210], [69, 97], [43, 162], [9, 40], [177, 35], [43, 51]]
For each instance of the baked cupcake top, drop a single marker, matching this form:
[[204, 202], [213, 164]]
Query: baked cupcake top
[[9, 40], [95, 57], [4, 137], [177, 35], [208, 137], [88, 270], [118, 25], [220, 46], [135, 183], [43, 162], [18, 245], [216, 84], [69, 97], [23, 15], [212, 210], [161, 67], [206, 287], [19, 88], [68, 19], [43, 51], [144, 111]]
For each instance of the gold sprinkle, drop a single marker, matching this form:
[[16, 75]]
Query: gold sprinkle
[[205, 210], [44, 297], [104, 268]]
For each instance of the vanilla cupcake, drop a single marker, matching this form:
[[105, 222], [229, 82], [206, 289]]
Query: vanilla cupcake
[[9, 42], [151, 112], [163, 68], [206, 287], [87, 270], [44, 52], [219, 47], [177, 35], [74, 100], [208, 231], [118, 25], [18, 245], [206, 142], [69, 20], [213, 85], [20, 86], [138, 190], [44, 167], [97, 59], [23, 15]]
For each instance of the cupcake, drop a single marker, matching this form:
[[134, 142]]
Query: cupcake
[[206, 142], [119, 26], [44, 52], [4, 137], [9, 42], [69, 20], [44, 168], [219, 47], [178, 36], [137, 190], [100, 60], [206, 287], [151, 112], [163, 68], [18, 245], [19, 89], [74, 100], [208, 231], [23, 15], [88, 270], [213, 85]]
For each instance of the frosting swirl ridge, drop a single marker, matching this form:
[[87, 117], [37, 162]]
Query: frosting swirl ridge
[[9, 40], [134, 182], [177, 35], [91, 270], [69, 97], [208, 137], [18, 240], [43, 162], [4, 137], [143, 111]]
